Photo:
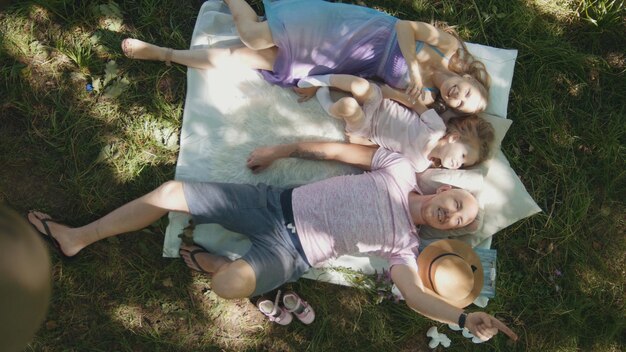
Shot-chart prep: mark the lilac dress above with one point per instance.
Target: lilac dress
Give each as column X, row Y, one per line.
column 319, row 37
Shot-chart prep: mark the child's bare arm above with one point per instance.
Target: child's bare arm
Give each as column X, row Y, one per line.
column 353, row 154
column 403, row 98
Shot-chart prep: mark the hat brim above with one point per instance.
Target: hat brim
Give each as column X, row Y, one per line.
column 461, row 249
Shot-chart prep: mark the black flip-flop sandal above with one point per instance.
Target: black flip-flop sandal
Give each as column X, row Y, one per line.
column 47, row 236
column 192, row 255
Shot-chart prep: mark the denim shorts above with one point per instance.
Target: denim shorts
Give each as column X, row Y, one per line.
column 255, row 211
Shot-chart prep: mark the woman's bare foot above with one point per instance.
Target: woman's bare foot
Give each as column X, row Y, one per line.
column 137, row 49
column 56, row 233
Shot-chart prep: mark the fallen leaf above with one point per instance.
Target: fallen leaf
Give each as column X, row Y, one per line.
column 110, row 72
column 116, row 88
column 51, row 325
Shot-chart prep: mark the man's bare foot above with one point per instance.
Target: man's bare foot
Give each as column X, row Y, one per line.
column 137, row 49
column 198, row 259
column 53, row 232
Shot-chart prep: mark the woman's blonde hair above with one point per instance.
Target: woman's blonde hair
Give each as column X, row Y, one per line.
column 463, row 63
column 474, row 128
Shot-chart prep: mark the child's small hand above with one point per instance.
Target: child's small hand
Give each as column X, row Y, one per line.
column 305, row 93
column 260, row 159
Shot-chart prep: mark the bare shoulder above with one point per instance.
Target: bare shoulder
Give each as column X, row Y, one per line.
column 432, row 35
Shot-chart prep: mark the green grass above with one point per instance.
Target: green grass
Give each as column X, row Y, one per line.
column 78, row 155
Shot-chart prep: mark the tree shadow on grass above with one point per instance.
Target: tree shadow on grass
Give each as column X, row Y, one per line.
column 117, row 294
column 571, row 171
column 51, row 141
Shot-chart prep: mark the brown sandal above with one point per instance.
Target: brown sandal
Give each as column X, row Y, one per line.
column 192, row 255
column 47, row 235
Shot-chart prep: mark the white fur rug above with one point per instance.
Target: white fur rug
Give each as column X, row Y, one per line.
column 228, row 113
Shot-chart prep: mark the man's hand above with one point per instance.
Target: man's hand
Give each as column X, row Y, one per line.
column 485, row 326
column 305, row 93
column 261, row 158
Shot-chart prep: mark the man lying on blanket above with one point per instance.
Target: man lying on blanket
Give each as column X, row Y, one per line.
column 374, row 212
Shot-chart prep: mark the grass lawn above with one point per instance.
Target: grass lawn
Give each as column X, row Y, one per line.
column 78, row 154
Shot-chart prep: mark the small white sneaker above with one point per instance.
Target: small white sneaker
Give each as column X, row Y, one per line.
column 274, row 312
column 299, row 307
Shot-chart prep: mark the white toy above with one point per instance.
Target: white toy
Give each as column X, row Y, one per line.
column 437, row 338
column 465, row 333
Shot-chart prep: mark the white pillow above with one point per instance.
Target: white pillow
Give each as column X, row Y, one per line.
column 501, row 195
column 431, row 179
column 500, row 127
column 504, row 199
column 500, row 64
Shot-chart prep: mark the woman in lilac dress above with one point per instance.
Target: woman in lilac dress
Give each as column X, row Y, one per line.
column 303, row 37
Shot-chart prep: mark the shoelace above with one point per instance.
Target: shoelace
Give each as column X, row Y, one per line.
column 274, row 312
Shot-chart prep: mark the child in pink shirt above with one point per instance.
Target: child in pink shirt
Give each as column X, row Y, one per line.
column 372, row 118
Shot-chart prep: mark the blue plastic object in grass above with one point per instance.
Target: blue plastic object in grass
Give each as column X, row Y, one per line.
column 488, row 259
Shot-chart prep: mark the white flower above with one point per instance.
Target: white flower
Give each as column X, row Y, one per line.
column 437, row 338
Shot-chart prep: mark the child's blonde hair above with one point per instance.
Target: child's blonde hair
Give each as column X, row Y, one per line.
column 474, row 128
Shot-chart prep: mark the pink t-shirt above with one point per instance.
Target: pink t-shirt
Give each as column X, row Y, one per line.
column 395, row 127
column 366, row 213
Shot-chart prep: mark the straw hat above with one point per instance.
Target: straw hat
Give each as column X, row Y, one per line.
column 452, row 270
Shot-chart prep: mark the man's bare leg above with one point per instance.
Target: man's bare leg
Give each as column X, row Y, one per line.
column 132, row 216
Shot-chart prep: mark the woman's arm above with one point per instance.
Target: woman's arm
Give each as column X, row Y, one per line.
column 424, row 301
column 427, row 33
column 408, row 32
column 352, row 154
